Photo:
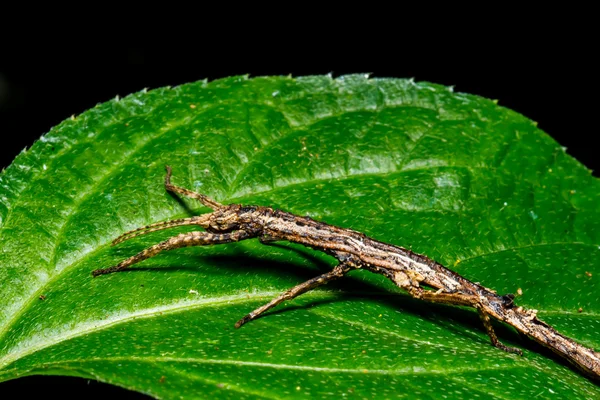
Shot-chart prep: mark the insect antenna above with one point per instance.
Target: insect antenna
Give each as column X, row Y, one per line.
column 159, row 226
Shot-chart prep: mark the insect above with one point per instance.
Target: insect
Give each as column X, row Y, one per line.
column 420, row 276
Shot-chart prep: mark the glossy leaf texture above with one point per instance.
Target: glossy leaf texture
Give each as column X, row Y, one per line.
column 454, row 176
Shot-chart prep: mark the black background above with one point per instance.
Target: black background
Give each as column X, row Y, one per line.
column 549, row 75
column 42, row 85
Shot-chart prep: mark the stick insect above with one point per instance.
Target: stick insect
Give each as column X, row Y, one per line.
column 420, row 276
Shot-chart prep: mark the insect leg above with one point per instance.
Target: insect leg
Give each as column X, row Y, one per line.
column 460, row 299
column 473, row 301
column 485, row 318
column 207, row 201
column 339, row 271
column 182, row 240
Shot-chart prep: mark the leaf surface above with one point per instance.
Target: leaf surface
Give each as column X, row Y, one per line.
column 454, row 176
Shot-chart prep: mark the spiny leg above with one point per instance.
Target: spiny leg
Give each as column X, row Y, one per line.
column 473, row 301
column 460, row 299
column 207, row 201
column 487, row 323
column 201, row 220
column 339, row 271
column 182, row 240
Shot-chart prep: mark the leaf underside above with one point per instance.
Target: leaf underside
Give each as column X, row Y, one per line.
column 473, row 185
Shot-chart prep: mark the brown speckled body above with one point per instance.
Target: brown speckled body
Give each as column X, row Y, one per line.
column 420, row 276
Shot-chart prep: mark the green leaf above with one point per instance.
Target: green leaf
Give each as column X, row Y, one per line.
column 453, row 176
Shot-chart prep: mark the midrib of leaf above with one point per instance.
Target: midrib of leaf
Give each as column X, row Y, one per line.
column 97, row 325
column 32, row 345
column 363, row 371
